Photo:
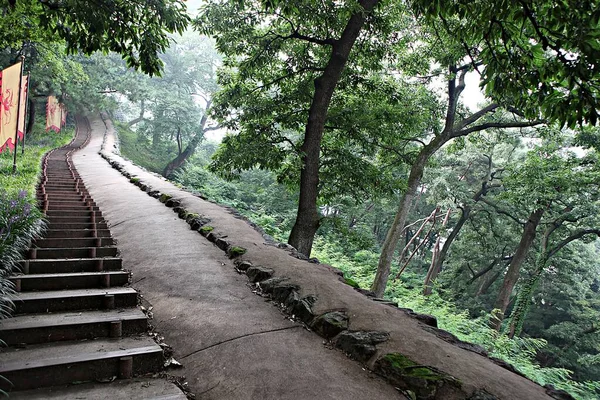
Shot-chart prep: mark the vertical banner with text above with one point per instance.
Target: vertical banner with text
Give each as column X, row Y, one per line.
column 53, row 118
column 23, row 101
column 9, row 105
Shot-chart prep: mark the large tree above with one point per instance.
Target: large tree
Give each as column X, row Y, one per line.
column 291, row 84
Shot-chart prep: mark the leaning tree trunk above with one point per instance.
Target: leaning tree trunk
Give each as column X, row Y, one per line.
column 512, row 275
column 189, row 149
column 393, row 236
column 307, row 219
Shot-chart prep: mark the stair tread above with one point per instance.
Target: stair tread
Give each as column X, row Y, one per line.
column 55, row 260
column 57, row 294
column 67, row 274
column 60, row 353
column 36, row 321
column 137, row 388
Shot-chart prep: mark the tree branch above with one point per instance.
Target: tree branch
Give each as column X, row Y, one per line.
column 515, row 124
column 577, row 235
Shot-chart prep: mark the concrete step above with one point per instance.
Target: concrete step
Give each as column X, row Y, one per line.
column 73, row 220
column 74, row 299
column 70, row 280
column 55, row 327
column 77, row 225
column 74, row 242
column 52, row 364
column 62, row 193
column 124, row 389
column 71, row 207
column 75, row 203
column 72, row 213
column 61, row 265
column 74, row 233
column 81, row 252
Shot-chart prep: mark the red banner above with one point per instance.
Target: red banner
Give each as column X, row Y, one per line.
column 9, row 105
column 53, row 118
column 23, row 106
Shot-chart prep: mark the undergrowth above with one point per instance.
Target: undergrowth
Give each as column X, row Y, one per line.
column 520, row 352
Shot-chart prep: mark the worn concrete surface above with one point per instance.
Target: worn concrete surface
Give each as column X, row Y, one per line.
column 232, row 343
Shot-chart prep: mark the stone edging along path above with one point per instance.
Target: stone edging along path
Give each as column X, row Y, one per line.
column 404, row 347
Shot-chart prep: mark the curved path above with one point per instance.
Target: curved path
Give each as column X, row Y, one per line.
column 232, row 343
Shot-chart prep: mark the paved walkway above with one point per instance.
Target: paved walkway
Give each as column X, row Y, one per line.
column 232, row 343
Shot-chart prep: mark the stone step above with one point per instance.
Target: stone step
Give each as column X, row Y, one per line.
column 44, row 328
column 75, row 233
column 72, row 213
column 123, row 389
column 81, row 252
column 52, row 364
column 71, row 207
column 74, row 220
column 74, row 299
column 61, row 265
column 62, row 193
column 77, row 225
column 70, row 280
column 74, row 242
column 76, row 203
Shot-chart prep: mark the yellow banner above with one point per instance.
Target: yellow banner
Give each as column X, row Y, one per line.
column 53, row 114
column 23, row 107
column 9, row 105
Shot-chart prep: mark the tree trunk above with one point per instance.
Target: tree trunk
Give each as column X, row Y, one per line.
column 189, row 149
column 307, row 219
column 512, row 275
column 436, row 264
column 140, row 118
column 486, row 283
column 393, row 236
column 31, row 119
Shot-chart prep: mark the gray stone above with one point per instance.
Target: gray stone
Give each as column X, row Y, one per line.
column 424, row 381
column 427, row 319
column 330, row 324
column 475, row 348
column 244, row 265
column 281, row 291
column 386, row 302
column 360, row 345
column 198, row 222
column 367, row 293
column 222, row 244
column 172, row 203
column 268, row 285
column 259, row 274
column 301, row 308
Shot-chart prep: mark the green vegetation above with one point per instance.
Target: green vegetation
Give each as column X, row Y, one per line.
column 350, row 133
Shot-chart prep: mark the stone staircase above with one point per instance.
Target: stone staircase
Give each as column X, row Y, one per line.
column 75, row 319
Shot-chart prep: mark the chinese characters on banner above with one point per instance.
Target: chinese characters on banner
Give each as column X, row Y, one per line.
column 23, row 106
column 10, row 78
column 53, row 114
